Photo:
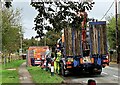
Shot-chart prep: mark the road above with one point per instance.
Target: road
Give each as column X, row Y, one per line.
column 108, row 76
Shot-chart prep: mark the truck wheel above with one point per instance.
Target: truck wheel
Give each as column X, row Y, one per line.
column 91, row 72
column 99, row 73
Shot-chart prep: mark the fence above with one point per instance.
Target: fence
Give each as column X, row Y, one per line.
column 6, row 58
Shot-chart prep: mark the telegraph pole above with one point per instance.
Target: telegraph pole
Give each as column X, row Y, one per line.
column 21, row 41
column 117, row 42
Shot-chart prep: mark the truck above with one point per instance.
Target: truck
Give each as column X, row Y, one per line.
column 36, row 55
column 84, row 49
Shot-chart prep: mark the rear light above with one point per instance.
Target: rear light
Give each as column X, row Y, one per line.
column 92, row 60
column 68, row 63
column 105, row 60
column 69, row 66
column 81, row 60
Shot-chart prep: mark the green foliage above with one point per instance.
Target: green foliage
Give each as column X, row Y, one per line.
column 29, row 42
column 112, row 32
column 13, row 64
column 10, row 30
column 44, row 77
column 8, row 4
column 52, row 37
column 59, row 14
column 119, row 30
column 10, row 77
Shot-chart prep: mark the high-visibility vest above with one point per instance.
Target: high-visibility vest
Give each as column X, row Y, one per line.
column 58, row 56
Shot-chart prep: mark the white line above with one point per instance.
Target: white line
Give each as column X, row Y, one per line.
column 105, row 73
column 115, row 76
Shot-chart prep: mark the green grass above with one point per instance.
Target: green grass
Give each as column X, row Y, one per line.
column 41, row 76
column 13, row 64
column 11, row 76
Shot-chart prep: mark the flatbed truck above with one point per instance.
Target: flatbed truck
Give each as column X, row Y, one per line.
column 84, row 50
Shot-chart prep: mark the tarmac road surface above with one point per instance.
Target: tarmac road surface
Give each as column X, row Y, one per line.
column 108, row 76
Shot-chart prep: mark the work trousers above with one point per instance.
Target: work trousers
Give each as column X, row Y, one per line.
column 57, row 67
column 48, row 60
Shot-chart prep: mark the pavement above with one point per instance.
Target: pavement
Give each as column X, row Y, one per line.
column 24, row 75
column 109, row 75
column 114, row 64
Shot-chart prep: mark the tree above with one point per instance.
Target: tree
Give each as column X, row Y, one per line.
column 62, row 15
column 10, row 30
column 59, row 14
column 51, row 37
column 8, row 4
column 29, row 42
column 112, row 34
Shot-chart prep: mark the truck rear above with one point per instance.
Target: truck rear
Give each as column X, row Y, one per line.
column 84, row 50
column 36, row 55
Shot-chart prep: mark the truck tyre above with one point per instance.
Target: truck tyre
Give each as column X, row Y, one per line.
column 92, row 72
column 99, row 73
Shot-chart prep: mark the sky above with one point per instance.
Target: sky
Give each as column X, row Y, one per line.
column 28, row 13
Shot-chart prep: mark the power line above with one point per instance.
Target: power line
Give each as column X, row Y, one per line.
column 108, row 10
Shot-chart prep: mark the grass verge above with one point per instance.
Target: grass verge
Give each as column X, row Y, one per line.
column 13, row 64
column 41, row 76
column 11, row 76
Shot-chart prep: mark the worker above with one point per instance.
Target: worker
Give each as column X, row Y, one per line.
column 48, row 57
column 57, row 62
column 52, row 61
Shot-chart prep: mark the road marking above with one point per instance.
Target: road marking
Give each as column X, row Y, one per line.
column 115, row 76
column 105, row 73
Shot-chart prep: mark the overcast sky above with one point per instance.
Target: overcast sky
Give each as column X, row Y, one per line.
column 29, row 13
